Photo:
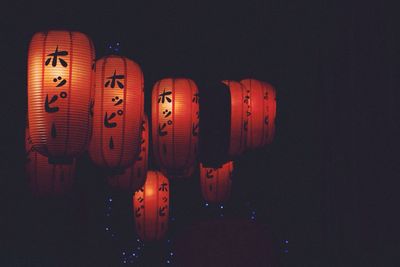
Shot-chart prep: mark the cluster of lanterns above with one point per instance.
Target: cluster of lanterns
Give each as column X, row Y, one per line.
column 78, row 104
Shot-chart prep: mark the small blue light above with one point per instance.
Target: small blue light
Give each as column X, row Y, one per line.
column 124, row 261
column 110, row 199
column 138, row 240
column 253, row 218
column 138, row 248
column 123, row 253
column 168, row 262
column 221, row 207
column 109, row 46
column 117, row 43
column 133, row 254
column 206, row 204
column 286, row 241
column 172, row 254
column 107, row 229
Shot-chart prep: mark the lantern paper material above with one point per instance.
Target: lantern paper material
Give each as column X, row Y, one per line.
column 59, row 93
column 46, row 179
column 117, row 112
column 134, row 176
column 151, row 207
column 216, row 182
column 175, row 125
column 262, row 112
column 239, row 119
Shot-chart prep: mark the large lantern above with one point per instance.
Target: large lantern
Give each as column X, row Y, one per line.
column 151, row 207
column 46, row 179
column 175, row 125
column 117, row 112
column 133, row 177
column 216, row 182
column 239, row 119
column 262, row 112
column 59, row 93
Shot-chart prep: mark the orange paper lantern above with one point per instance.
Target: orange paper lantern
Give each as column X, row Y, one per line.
column 216, row 182
column 261, row 114
column 175, row 124
column 59, row 90
column 151, row 207
column 117, row 112
column 46, row 179
column 134, row 176
column 239, row 119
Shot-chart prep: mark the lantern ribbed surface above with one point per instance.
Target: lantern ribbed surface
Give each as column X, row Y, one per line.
column 262, row 112
column 117, row 112
column 134, row 176
column 239, row 120
column 151, row 207
column 46, row 179
column 216, row 182
column 59, row 90
column 175, row 125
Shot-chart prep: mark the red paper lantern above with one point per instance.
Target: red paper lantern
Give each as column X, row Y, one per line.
column 175, row 124
column 46, row 179
column 59, row 90
column 151, row 207
column 239, row 119
column 216, row 182
column 134, row 176
column 262, row 112
column 117, row 112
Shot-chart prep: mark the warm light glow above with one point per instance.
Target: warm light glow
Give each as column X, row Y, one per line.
column 46, row 179
column 117, row 113
column 151, row 207
column 134, row 176
column 216, row 183
column 175, row 124
column 239, row 119
column 59, row 93
column 262, row 112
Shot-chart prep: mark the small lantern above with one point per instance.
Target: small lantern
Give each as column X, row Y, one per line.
column 46, row 179
column 134, row 176
column 175, row 125
column 151, row 207
column 59, row 93
column 216, row 182
column 117, row 112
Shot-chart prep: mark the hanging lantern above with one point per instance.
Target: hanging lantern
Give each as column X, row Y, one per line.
column 134, row 176
column 175, row 125
column 59, row 90
column 46, row 179
column 151, row 207
column 261, row 114
column 117, row 113
column 239, row 119
column 216, row 182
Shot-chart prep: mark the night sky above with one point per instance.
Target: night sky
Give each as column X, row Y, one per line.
column 328, row 184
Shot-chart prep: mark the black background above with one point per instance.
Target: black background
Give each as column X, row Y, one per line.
column 328, row 183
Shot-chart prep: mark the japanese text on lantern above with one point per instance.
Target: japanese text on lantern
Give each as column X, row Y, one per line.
column 56, row 60
column 114, row 82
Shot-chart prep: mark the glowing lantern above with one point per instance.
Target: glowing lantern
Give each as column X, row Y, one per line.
column 175, row 125
column 216, row 182
column 59, row 93
column 262, row 112
column 134, row 176
column 239, row 119
column 117, row 112
column 46, row 179
column 151, row 207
